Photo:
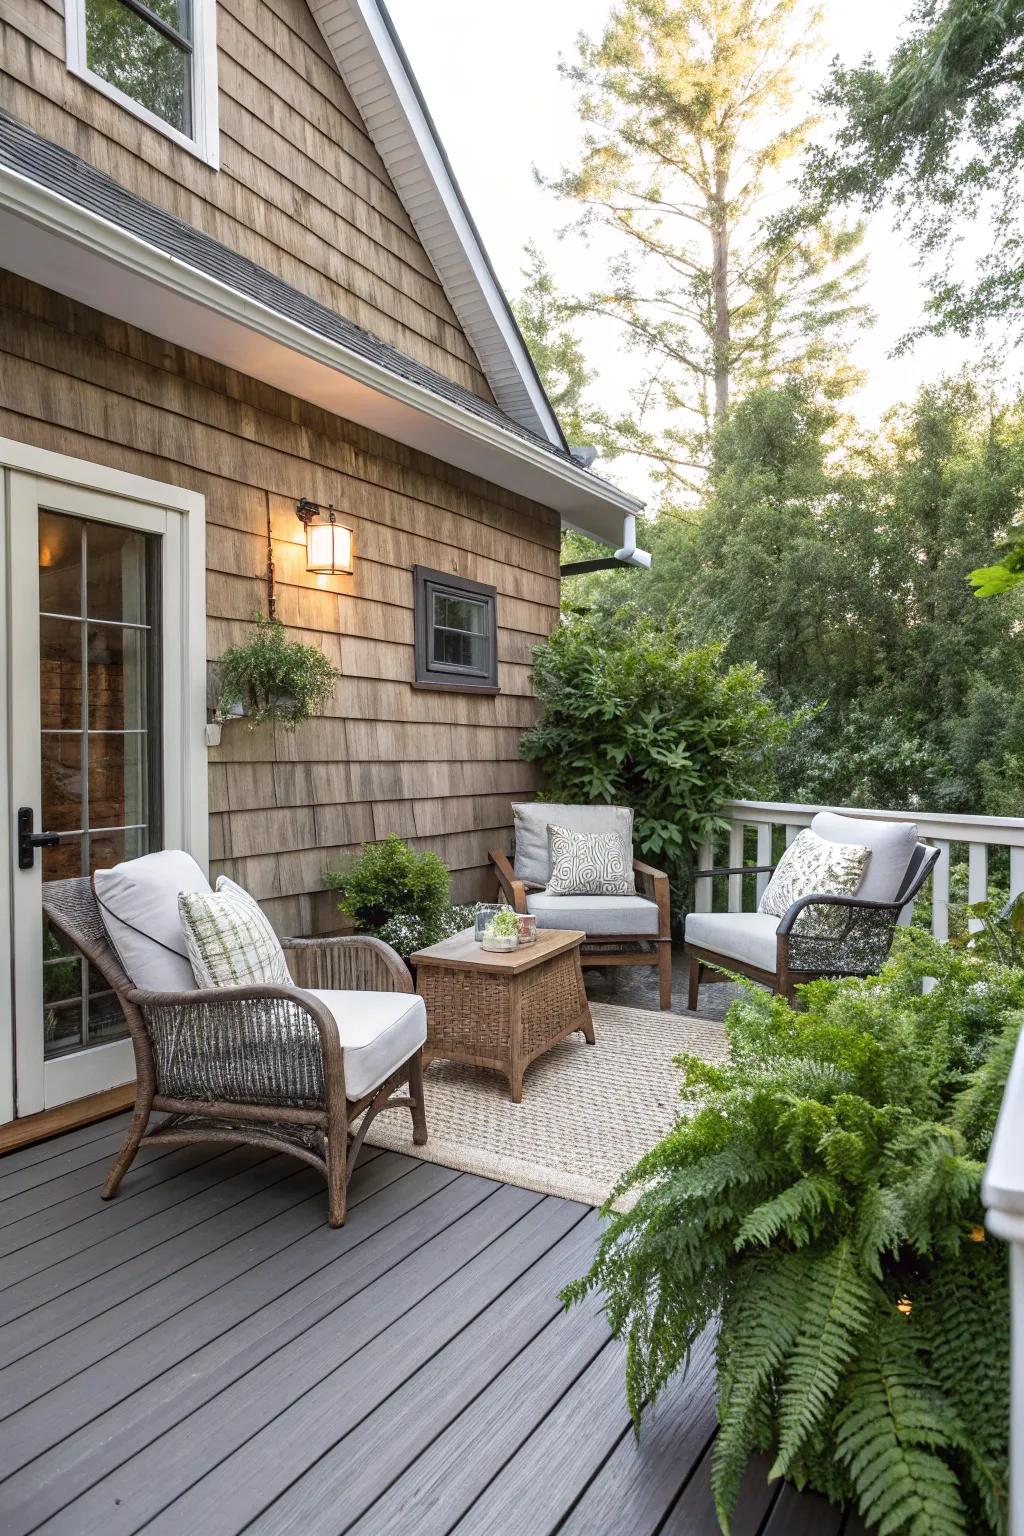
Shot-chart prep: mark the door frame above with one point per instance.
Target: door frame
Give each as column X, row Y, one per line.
column 185, row 752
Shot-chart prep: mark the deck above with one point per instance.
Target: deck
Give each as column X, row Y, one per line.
column 204, row 1355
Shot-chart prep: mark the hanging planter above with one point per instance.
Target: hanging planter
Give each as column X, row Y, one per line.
column 272, row 678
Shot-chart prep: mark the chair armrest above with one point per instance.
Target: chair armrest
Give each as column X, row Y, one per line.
column 855, row 903
column 347, row 963
column 660, row 890
column 513, row 890
column 739, row 869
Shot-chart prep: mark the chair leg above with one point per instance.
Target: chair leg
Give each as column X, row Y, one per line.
column 130, row 1145
column 665, row 976
column 337, row 1181
column 696, row 976
column 417, row 1104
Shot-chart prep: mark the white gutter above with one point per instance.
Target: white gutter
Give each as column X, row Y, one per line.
column 56, row 242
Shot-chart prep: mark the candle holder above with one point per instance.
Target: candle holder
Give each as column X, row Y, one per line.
column 527, row 924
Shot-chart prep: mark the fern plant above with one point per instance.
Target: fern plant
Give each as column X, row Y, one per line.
column 822, row 1208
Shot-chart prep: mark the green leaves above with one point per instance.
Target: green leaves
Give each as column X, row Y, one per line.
column 274, row 678
column 631, row 716
column 826, row 1182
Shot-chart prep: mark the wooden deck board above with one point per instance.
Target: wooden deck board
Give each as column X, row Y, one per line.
column 205, row 1354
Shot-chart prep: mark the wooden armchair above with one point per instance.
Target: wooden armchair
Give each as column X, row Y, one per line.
column 263, row 1065
column 651, row 948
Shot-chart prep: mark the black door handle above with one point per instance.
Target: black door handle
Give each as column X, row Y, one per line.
column 29, row 841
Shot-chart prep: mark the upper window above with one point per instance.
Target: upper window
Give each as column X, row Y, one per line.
column 157, row 58
column 456, row 632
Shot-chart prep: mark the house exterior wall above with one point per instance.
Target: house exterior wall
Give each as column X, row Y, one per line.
column 438, row 768
column 301, row 189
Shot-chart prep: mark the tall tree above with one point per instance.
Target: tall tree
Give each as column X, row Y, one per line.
column 690, row 115
column 937, row 135
column 555, row 347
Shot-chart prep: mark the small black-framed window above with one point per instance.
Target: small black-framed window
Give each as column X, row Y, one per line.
column 456, row 632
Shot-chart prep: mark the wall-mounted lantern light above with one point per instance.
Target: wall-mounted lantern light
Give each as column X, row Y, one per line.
column 330, row 545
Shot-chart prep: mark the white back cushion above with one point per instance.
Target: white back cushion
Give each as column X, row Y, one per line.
column 891, row 842
column 138, row 903
column 533, row 817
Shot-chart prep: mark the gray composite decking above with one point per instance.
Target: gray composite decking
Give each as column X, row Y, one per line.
column 205, row 1355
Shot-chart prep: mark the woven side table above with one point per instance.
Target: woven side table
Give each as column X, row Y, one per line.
column 502, row 1010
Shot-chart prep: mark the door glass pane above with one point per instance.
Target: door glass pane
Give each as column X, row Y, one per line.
column 60, row 563
column 125, row 49
column 63, row 801
column 99, row 689
column 60, row 674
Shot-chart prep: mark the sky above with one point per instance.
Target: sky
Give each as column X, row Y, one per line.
column 490, row 77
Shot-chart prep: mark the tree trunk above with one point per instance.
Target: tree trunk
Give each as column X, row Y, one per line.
column 720, row 289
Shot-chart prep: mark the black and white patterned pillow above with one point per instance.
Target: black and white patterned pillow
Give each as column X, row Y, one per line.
column 589, row 864
column 814, row 866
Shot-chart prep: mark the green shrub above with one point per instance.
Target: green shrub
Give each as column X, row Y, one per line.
column 387, row 880
column 274, row 678
column 633, row 718
column 824, row 1203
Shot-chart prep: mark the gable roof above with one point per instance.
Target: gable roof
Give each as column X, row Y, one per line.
column 377, row 73
column 69, row 227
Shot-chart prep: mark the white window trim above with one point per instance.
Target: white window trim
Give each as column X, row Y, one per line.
column 205, row 140
column 186, row 785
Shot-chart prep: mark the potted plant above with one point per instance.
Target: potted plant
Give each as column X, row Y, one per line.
column 502, row 932
column 273, row 678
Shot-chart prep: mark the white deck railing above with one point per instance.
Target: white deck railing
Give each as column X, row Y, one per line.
column 1003, row 1188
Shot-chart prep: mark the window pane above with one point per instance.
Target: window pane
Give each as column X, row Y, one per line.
column 109, row 848
column 115, row 563
column 132, row 54
column 60, row 563
column 60, row 674
column 117, row 780
column 117, row 678
column 176, row 13
column 460, row 613
column 65, row 861
column 62, row 809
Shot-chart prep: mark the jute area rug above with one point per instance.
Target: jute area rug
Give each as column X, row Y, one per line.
column 588, row 1112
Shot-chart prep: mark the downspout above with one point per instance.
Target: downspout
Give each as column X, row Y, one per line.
column 629, row 554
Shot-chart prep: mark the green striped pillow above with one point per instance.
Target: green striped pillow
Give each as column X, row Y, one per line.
column 229, row 941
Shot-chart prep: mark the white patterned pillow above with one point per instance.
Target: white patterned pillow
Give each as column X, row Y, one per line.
column 229, row 941
column 589, row 864
column 814, row 866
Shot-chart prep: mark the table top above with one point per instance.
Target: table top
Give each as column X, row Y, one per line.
column 462, row 953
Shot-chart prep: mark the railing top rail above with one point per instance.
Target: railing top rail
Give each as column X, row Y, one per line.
column 955, row 828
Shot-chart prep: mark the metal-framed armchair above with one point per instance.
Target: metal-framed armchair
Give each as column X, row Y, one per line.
column 263, row 1065
column 780, row 952
column 621, row 930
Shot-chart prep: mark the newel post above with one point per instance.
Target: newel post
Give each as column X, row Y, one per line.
column 1003, row 1194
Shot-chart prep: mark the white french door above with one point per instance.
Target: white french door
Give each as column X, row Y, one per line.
column 100, row 693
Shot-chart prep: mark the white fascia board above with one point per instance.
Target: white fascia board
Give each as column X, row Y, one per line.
column 60, row 245
column 377, row 76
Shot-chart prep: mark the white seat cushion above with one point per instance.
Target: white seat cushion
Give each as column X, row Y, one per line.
column 138, row 902
column 746, row 936
column 892, row 844
column 597, row 915
column 378, row 1032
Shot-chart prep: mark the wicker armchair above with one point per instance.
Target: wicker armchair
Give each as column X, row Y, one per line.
column 781, row 953
column 261, row 1065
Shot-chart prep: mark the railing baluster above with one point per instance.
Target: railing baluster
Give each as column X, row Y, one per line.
column 764, row 853
column 735, row 859
column 791, row 832
column 977, row 879
column 940, row 894
column 703, row 895
column 1016, row 871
